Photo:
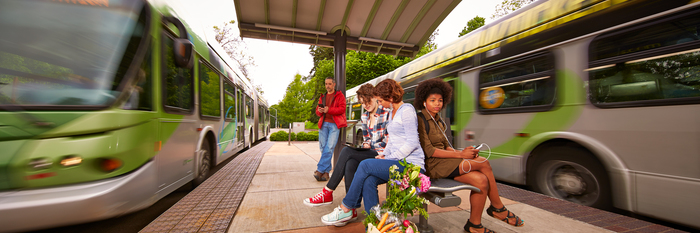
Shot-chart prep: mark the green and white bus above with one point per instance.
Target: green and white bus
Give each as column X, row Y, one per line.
column 107, row 106
column 594, row 102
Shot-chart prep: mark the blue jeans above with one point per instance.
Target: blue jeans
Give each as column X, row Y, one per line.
column 370, row 174
column 327, row 138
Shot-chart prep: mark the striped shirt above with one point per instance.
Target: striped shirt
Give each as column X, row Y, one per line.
column 376, row 136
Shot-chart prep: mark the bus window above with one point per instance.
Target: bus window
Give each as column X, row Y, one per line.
column 524, row 85
column 356, row 111
column 651, row 65
column 229, row 102
column 209, row 92
column 141, row 97
column 249, row 107
column 178, row 81
column 409, row 96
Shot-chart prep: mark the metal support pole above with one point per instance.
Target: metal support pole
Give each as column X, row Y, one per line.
column 289, row 142
column 339, row 51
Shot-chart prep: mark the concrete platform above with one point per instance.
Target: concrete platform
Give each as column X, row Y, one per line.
column 282, row 178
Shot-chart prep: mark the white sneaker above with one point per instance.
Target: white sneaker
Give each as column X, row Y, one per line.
column 338, row 217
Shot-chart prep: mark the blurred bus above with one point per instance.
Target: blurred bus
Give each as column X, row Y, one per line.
column 107, row 106
column 594, row 102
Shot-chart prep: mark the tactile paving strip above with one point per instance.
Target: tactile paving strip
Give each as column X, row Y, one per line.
column 211, row 206
column 593, row 216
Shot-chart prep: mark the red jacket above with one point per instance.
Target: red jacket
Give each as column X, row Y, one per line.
column 336, row 109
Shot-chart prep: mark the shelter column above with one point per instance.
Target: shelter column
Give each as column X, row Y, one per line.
column 339, row 51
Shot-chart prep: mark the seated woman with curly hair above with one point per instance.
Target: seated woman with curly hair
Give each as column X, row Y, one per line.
column 443, row 161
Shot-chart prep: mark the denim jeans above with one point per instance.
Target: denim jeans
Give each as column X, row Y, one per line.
column 327, row 138
column 348, row 161
column 370, row 174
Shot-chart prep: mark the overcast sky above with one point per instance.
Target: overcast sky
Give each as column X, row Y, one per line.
column 278, row 62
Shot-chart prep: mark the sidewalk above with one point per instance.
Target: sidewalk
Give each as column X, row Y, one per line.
column 273, row 202
column 261, row 190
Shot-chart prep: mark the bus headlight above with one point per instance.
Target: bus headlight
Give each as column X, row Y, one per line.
column 110, row 165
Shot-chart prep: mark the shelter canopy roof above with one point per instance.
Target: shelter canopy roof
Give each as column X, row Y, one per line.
column 395, row 27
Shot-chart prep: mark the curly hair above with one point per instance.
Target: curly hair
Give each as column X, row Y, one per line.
column 389, row 89
column 366, row 92
column 433, row 86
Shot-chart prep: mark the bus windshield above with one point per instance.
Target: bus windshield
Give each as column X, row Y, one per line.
column 57, row 53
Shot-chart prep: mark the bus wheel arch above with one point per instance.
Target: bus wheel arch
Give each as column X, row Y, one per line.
column 566, row 170
column 205, row 159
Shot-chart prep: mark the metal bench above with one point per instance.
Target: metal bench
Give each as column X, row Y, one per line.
column 440, row 194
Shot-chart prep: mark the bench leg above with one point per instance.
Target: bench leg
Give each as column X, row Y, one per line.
column 423, row 225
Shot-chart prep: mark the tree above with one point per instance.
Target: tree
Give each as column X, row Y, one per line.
column 234, row 46
column 472, row 25
column 508, row 6
column 295, row 103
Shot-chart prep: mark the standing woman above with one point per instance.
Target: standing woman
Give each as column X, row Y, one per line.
column 443, row 161
column 403, row 144
column 374, row 121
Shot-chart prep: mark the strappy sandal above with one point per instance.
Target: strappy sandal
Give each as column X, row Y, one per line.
column 518, row 222
column 471, row 225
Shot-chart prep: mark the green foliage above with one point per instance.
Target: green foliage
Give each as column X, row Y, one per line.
column 295, row 105
column 210, row 94
column 403, row 190
column 279, row 136
column 508, row 6
column 310, row 125
column 282, row 136
column 472, row 25
column 304, row 136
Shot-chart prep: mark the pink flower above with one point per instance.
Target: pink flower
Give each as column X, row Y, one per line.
column 404, row 183
column 424, row 183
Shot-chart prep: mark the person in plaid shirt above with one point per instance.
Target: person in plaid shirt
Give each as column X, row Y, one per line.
column 374, row 121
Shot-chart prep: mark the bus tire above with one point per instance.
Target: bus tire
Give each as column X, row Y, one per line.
column 571, row 173
column 204, row 168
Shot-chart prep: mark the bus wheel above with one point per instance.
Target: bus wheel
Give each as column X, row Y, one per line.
column 572, row 174
column 204, row 164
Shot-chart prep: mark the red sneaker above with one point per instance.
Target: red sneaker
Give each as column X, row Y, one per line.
column 354, row 215
column 325, row 197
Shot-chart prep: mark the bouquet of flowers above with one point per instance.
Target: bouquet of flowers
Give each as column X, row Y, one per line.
column 403, row 199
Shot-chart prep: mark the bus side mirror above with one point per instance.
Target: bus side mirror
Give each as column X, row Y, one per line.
column 184, row 57
column 183, row 47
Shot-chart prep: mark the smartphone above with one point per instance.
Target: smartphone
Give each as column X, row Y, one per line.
column 478, row 147
column 321, row 105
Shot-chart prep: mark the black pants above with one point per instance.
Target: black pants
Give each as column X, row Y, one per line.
column 348, row 161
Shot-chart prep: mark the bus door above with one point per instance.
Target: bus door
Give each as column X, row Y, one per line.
column 229, row 131
column 178, row 131
column 240, row 105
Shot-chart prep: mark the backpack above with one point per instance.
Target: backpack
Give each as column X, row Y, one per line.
column 427, row 126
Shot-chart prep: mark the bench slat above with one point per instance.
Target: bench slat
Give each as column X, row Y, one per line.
column 449, row 185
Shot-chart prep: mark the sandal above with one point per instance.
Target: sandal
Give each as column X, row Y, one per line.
column 518, row 222
column 471, row 225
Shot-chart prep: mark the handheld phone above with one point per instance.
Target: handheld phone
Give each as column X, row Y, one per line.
column 321, row 105
column 477, row 147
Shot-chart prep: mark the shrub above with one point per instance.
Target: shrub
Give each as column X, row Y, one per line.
column 310, row 136
column 279, row 136
column 313, row 135
column 294, row 136
column 301, row 136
